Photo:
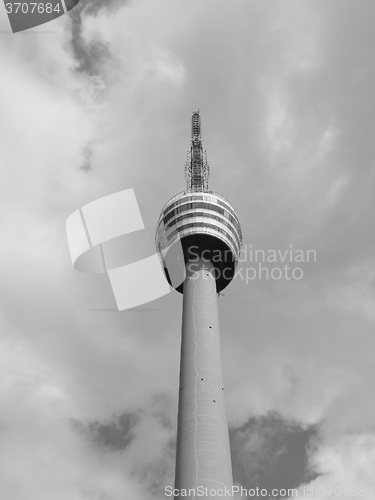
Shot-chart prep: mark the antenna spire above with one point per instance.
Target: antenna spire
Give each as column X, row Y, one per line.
column 196, row 169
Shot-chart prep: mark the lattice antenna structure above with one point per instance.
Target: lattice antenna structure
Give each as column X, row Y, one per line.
column 196, row 168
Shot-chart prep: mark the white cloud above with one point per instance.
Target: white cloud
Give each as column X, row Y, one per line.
column 347, row 467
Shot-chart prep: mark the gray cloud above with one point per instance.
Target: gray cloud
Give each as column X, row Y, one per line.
column 269, row 452
column 90, row 55
column 115, row 435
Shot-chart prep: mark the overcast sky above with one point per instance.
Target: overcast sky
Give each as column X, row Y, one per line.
column 99, row 101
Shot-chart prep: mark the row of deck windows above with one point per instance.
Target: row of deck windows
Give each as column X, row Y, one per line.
column 231, row 225
column 207, row 206
column 206, row 224
column 206, row 198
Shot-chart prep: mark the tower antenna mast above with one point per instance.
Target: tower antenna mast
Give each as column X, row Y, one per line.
column 196, row 168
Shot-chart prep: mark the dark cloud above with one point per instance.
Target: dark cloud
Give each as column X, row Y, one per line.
column 114, row 435
column 90, row 55
column 270, row 452
column 87, row 155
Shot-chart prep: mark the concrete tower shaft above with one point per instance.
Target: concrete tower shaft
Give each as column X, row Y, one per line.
column 203, row 452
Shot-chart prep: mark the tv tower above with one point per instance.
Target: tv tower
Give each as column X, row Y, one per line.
column 210, row 234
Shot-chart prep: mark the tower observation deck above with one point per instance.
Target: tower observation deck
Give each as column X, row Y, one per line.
column 207, row 226
column 204, row 221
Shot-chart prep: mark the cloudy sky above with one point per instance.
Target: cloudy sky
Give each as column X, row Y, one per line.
column 100, row 100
